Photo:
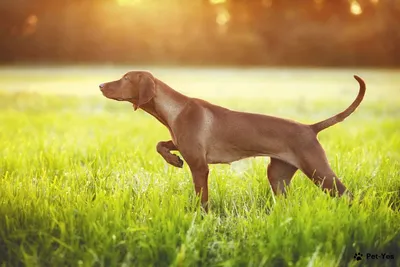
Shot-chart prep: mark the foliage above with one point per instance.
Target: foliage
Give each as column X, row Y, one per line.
column 237, row 32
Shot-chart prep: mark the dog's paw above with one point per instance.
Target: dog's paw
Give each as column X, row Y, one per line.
column 180, row 162
column 176, row 161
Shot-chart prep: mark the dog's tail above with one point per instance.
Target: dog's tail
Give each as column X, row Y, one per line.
column 319, row 126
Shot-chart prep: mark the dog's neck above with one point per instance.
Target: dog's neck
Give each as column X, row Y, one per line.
column 166, row 105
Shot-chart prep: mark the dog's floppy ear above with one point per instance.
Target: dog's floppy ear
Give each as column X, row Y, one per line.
column 147, row 90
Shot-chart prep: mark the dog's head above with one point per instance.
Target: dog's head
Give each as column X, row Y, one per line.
column 137, row 87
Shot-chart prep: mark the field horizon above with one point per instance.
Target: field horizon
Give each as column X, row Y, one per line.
column 81, row 183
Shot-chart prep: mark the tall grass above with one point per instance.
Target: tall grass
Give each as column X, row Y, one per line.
column 81, row 183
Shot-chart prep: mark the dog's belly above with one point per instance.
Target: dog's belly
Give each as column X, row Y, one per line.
column 228, row 153
column 217, row 155
column 221, row 157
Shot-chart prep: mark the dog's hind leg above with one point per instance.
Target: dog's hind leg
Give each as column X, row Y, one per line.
column 280, row 174
column 315, row 165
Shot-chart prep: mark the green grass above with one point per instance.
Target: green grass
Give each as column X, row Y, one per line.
column 81, row 183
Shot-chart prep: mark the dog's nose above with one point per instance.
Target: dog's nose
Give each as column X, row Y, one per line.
column 101, row 86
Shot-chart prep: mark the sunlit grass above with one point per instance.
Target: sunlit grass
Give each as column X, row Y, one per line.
column 82, row 184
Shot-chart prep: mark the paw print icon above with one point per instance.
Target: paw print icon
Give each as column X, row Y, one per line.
column 358, row 256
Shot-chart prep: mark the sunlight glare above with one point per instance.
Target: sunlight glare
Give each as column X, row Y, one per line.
column 216, row 2
column 355, row 8
column 128, row 2
column 223, row 17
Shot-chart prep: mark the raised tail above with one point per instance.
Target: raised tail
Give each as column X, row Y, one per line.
column 319, row 126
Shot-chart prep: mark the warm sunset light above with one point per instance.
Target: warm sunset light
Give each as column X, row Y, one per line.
column 32, row 20
column 30, row 25
column 267, row 3
column 186, row 132
column 197, row 31
column 223, row 17
column 355, row 8
column 319, row 3
column 215, row 2
column 128, row 2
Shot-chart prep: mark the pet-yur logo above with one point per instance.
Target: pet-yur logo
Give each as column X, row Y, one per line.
column 373, row 256
column 358, row 256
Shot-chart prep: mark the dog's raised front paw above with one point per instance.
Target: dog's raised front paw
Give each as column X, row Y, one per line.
column 176, row 161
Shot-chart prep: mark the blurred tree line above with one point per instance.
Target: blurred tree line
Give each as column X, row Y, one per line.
column 228, row 32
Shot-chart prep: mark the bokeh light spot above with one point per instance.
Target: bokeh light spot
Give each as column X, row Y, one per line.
column 355, row 8
column 223, row 17
column 215, row 2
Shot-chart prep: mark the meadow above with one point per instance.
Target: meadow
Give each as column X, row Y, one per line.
column 81, row 183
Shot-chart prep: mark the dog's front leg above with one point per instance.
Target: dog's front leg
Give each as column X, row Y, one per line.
column 199, row 169
column 164, row 148
column 200, row 180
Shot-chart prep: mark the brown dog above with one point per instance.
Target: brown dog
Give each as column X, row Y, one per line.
column 207, row 134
